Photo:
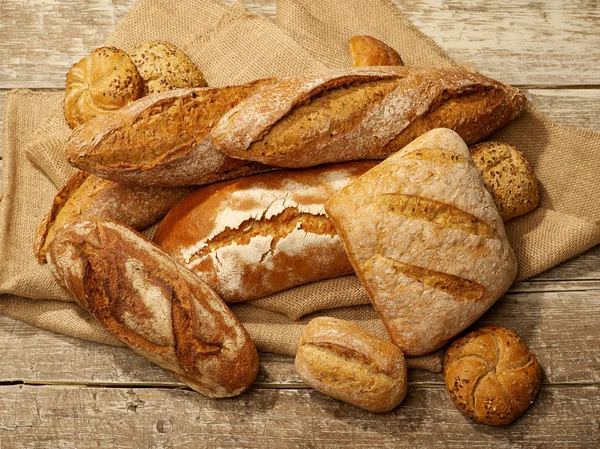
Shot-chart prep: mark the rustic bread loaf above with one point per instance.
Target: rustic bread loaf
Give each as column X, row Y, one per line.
column 258, row 235
column 86, row 196
column 426, row 240
column 163, row 66
column 179, row 138
column 341, row 360
column 491, row 375
column 161, row 140
column 368, row 51
column 508, row 177
column 102, row 82
column 157, row 307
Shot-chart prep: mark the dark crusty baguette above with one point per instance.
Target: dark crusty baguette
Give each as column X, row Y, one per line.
column 254, row 236
column 181, row 137
column 426, row 240
column 86, row 196
column 157, row 307
column 341, row 360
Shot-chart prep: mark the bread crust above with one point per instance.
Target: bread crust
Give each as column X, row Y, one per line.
column 491, row 375
column 341, row 360
column 425, row 239
column 154, row 305
column 262, row 234
column 368, row 51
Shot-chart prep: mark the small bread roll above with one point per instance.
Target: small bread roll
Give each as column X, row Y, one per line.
column 491, row 375
column 103, row 81
column 341, row 360
column 368, row 51
column 164, row 67
column 508, row 177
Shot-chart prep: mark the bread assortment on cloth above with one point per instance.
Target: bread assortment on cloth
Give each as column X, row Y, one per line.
column 261, row 234
column 491, row 375
column 426, row 241
column 153, row 304
column 341, row 360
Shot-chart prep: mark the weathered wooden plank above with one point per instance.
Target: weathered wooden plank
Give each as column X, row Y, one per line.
column 547, row 42
column 561, row 328
column 32, row 417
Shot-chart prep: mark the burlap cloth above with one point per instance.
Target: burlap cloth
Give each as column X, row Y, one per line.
column 233, row 46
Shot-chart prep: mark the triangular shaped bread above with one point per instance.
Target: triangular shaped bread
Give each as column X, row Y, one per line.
column 426, row 241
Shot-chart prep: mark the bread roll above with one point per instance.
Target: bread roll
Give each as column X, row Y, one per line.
column 491, row 375
column 341, row 360
column 508, row 177
column 102, row 82
column 258, row 235
column 426, row 241
column 163, row 66
column 154, row 305
column 368, row 51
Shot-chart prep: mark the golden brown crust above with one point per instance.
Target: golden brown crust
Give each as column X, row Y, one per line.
column 368, row 51
column 163, row 66
column 86, row 196
column 491, row 375
column 102, row 82
column 508, row 177
column 426, row 241
column 154, row 305
column 341, row 360
column 262, row 234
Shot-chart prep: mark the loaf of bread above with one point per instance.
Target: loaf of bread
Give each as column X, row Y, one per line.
column 102, row 82
column 162, row 66
column 258, row 235
column 86, row 196
column 508, row 177
column 154, row 305
column 162, row 140
column 491, row 375
column 363, row 113
column 368, row 51
column 426, row 240
column 341, row 360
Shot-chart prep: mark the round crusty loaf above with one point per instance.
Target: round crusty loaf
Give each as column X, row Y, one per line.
column 164, row 67
column 508, row 177
column 491, row 375
column 100, row 83
column 340, row 359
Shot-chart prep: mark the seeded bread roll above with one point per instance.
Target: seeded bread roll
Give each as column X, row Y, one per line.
column 102, row 82
column 508, row 177
column 154, row 305
column 163, row 66
column 262, row 234
column 368, row 51
column 426, row 241
column 341, row 360
column 491, row 375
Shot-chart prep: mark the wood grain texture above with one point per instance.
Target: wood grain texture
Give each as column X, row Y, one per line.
column 159, row 418
column 547, row 42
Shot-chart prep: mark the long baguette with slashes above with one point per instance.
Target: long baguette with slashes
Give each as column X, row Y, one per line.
column 181, row 137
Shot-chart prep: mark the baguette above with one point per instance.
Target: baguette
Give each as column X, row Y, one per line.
column 426, row 240
column 368, row 51
column 302, row 121
column 154, row 305
column 255, row 236
column 86, row 196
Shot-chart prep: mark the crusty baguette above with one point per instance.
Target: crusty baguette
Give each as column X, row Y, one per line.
column 340, row 359
column 86, row 196
column 426, row 241
column 157, row 307
column 162, row 139
column 368, row 51
column 180, row 137
column 258, row 235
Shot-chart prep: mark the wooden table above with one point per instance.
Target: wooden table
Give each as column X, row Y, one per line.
column 59, row 392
